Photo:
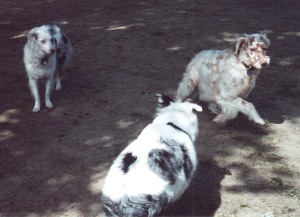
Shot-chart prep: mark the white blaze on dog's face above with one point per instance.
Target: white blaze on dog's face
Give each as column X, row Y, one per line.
column 43, row 38
column 252, row 49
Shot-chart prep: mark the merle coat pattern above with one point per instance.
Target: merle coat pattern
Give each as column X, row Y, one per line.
column 155, row 169
column 64, row 51
column 226, row 77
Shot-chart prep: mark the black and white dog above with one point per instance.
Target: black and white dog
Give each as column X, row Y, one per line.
column 46, row 50
column 156, row 168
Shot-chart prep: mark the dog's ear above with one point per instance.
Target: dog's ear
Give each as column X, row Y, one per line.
column 240, row 42
column 32, row 35
column 55, row 28
column 56, row 24
column 164, row 100
column 264, row 38
column 263, row 34
column 197, row 108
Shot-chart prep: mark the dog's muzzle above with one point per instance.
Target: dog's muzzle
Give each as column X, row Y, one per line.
column 52, row 51
column 266, row 62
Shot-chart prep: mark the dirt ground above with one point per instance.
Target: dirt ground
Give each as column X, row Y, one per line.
column 53, row 163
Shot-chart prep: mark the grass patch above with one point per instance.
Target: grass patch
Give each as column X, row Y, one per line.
column 277, row 180
column 294, row 193
column 261, row 151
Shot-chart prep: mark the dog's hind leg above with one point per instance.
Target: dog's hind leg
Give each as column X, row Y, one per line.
column 49, row 84
column 231, row 107
column 187, row 85
column 215, row 108
column 58, row 78
column 227, row 113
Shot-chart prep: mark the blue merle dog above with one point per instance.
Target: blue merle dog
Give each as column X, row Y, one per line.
column 64, row 51
column 155, row 169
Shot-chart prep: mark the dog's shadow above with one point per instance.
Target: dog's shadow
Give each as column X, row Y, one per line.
column 202, row 198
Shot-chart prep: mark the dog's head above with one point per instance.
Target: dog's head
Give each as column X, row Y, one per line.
column 251, row 50
column 54, row 28
column 167, row 103
column 182, row 113
column 44, row 41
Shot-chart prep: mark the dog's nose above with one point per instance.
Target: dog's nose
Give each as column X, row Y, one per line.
column 264, row 64
column 52, row 51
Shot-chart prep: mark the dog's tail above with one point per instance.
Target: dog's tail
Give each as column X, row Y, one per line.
column 188, row 84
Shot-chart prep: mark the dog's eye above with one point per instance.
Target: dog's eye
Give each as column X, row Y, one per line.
column 43, row 41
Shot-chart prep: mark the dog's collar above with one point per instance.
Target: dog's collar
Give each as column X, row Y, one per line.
column 249, row 73
column 44, row 60
column 178, row 128
column 250, row 69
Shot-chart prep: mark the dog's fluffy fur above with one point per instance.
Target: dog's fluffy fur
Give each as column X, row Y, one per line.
column 225, row 77
column 46, row 50
column 156, row 168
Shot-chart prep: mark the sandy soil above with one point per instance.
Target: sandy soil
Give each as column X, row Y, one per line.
column 53, row 163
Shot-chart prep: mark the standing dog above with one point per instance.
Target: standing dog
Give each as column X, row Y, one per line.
column 63, row 52
column 45, row 51
column 225, row 77
column 40, row 62
column 155, row 169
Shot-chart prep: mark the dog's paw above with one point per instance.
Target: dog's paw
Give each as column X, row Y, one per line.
column 260, row 121
column 267, row 124
column 36, row 108
column 58, row 86
column 49, row 104
column 220, row 119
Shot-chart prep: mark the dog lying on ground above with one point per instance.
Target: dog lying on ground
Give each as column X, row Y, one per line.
column 226, row 77
column 155, row 169
column 46, row 50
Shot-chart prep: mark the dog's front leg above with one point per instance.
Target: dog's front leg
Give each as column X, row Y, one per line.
column 49, row 85
column 248, row 109
column 33, row 85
